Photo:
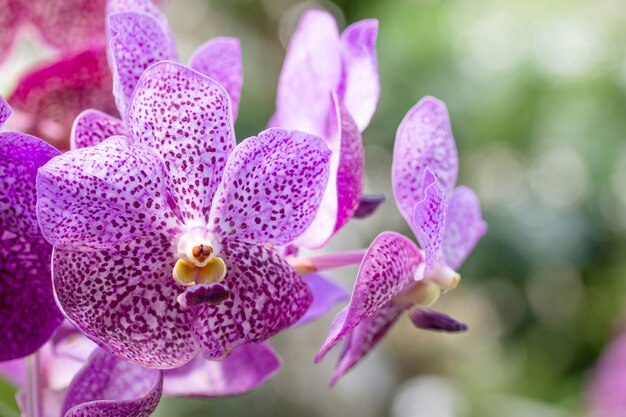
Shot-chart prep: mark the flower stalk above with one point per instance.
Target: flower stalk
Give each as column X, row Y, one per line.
column 33, row 402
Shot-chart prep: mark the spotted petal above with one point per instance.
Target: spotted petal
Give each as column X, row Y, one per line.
column 69, row 24
column 138, row 40
column 5, row 111
column 272, row 187
column 20, row 157
column 110, row 387
column 92, row 127
column 220, row 58
column 125, row 299
column 360, row 84
column 342, row 195
column 267, row 296
column 247, row 368
column 186, row 118
column 464, row 226
column 94, row 198
column 389, row 265
column 424, row 140
column 48, row 99
column 429, row 219
column 310, row 73
column 326, row 295
column 364, row 337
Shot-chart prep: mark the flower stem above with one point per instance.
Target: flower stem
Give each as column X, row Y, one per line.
column 337, row 260
column 33, row 403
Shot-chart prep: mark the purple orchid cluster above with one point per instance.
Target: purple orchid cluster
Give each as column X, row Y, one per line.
column 157, row 256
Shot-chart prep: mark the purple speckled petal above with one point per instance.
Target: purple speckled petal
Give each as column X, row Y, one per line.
column 138, row 40
column 360, row 83
column 368, row 205
column 464, row 226
column 185, row 116
column 248, row 367
column 110, row 387
column 342, row 195
column 429, row 219
column 69, row 25
column 364, row 337
column 147, row 7
column 48, row 98
column 10, row 19
column 5, row 111
column 29, row 314
column 427, row 319
column 125, row 299
column 272, row 187
column 20, row 157
column 220, row 59
column 267, row 296
column 310, row 73
column 326, row 295
column 387, row 268
column 92, row 127
column 103, row 195
column 424, row 140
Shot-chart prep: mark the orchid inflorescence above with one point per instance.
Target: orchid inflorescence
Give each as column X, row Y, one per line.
column 157, row 256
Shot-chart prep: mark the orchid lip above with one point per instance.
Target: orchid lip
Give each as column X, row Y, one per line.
column 444, row 276
column 197, row 260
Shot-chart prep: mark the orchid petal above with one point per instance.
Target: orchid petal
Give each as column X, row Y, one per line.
column 326, row 295
column 364, row 337
column 424, row 140
column 125, row 299
column 147, row 7
column 266, row 296
column 92, row 127
column 388, row 267
column 607, row 383
column 368, row 205
column 360, row 83
column 342, row 195
column 272, row 187
column 248, row 367
column 10, row 19
column 97, row 197
column 464, row 226
column 427, row 319
column 429, row 219
column 50, row 97
column 220, row 58
column 5, row 111
column 14, row 371
column 186, row 118
column 311, row 71
column 138, row 40
column 20, row 157
column 110, row 387
column 69, row 24
column 29, row 313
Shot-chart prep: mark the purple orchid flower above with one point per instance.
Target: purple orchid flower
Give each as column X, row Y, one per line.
column 69, row 25
column 28, row 310
column 605, row 391
column 48, row 99
column 163, row 239
column 62, row 358
column 395, row 275
column 329, row 86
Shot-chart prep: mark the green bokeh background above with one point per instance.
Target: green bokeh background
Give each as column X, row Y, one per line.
column 536, row 91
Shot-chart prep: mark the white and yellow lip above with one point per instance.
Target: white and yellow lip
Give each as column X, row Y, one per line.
column 198, row 262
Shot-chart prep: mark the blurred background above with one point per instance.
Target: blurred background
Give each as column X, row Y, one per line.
column 537, row 96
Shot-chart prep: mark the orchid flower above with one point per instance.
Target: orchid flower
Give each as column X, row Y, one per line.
column 329, row 86
column 48, row 99
column 163, row 239
column 69, row 25
column 63, row 357
column 395, row 275
column 605, row 391
column 29, row 313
